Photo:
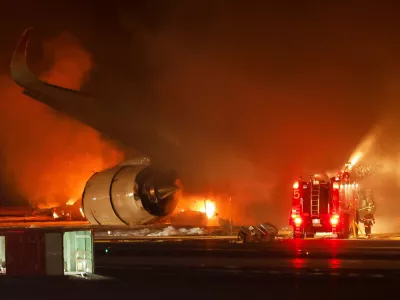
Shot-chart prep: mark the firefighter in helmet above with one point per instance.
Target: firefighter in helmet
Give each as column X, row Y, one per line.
column 368, row 220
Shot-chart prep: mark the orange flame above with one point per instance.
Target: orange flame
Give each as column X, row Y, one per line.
column 50, row 156
column 206, row 206
column 71, row 201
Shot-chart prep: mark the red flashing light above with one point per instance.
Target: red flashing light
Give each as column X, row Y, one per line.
column 297, row 221
column 294, row 213
column 296, row 185
column 335, row 185
column 335, row 220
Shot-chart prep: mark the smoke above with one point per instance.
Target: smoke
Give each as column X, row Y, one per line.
column 246, row 195
column 378, row 162
column 49, row 156
column 378, row 169
column 257, row 95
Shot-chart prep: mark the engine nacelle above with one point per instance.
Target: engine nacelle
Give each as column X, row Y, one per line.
column 131, row 193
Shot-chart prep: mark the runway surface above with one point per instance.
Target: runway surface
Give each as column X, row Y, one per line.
column 210, row 267
column 282, row 256
column 331, row 269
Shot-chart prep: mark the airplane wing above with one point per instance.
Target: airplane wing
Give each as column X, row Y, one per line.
column 130, row 131
column 73, row 103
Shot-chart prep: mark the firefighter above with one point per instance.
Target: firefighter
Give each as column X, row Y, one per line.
column 368, row 221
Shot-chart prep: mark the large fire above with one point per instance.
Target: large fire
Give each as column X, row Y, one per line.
column 69, row 212
column 206, row 206
column 50, row 156
column 199, row 204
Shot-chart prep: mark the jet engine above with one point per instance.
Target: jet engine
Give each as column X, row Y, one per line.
column 131, row 193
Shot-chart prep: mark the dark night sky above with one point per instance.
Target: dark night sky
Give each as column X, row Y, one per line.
column 263, row 92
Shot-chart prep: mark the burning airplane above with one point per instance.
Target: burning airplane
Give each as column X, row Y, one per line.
column 133, row 192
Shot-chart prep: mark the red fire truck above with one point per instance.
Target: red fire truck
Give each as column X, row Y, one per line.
column 324, row 206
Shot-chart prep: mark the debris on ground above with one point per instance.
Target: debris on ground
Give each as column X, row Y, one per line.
column 264, row 232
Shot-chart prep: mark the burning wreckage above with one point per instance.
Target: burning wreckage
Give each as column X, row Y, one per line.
column 134, row 192
column 131, row 193
column 67, row 212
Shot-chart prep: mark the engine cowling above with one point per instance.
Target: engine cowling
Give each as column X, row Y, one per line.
column 131, row 193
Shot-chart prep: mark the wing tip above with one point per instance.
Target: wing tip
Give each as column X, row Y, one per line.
column 18, row 67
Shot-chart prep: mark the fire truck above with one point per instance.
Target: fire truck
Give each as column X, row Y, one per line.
column 324, row 206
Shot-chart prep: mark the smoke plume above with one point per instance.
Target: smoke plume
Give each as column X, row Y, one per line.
column 49, row 156
column 378, row 170
column 259, row 95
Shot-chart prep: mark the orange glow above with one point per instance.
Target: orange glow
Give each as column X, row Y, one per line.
column 199, row 204
column 296, row 185
column 81, row 211
column 55, row 215
column 206, row 206
column 49, row 155
column 336, row 185
column 71, row 201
